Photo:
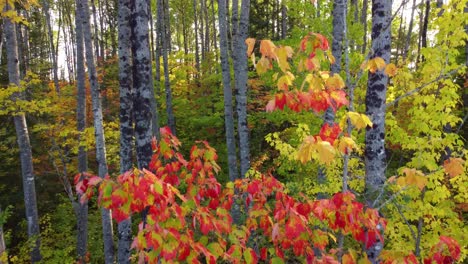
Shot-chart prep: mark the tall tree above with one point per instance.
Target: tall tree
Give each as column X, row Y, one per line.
column 227, row 90
column 22, row 134
column 126, row 115
column 239, row 57
column 81, row 209
column 165, row 41
column 364, row 23
column 410, row 32
column 45, row 5
column 98, row 126
column 375, row 159
column 197, row 53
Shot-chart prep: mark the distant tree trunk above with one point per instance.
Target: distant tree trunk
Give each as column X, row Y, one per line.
column 284, row 21
column 207, row 27
column 228, row 110
column 410, row 31
column 167, row 23
column 165, row 49
column 364, row 23
column 427, row 12
column 375, row 159
column 240, row 73
column 22, row 134
column 2, row 239
column 98, row 127
column 197, row 52
column 440, row 4
column 81, row 210
column 339, row 14
column 158, row 49
column 202, row 31
column 45, row 5
column 125, row 8
column 96, row 32
column 401, row 29
column 102, row 43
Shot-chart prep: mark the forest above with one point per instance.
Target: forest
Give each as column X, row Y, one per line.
column 233, row 131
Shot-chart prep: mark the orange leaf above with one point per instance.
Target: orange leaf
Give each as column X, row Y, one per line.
column 453, row 166
column 413, row 177
column 267, row 49
column 250, row 42
column 376, row 64
column 391, row 70
column 335, row 82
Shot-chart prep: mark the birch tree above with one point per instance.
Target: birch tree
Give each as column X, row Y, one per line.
column 22, row 135
column 375, row 159
column 98, row 126
column 126, row 115
column 81, row 209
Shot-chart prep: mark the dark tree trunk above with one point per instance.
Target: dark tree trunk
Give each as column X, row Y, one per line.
column 228, row 110
column 81, row 210
column 240, row 73
column 165, row 49
column 98, row 127
column 197, row 52
column 364, row 23
column 22, row 134
column 125, row 116
column 96, row 32
column 375, row 159
column 284, row 21
column 410, row 31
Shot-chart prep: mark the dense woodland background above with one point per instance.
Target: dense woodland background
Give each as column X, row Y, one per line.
column 94, row 81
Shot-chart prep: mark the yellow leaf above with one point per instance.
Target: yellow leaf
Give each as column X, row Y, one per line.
column 263, row 65
column 376, row 64
column 330, row 56
column 391, row 70
column 326, row 153
column 284, row 82
column 250, row 42
column 307, row 149
column 315, row 82
column 413, row 177
column 335, row 82
column 283, row 54
column 346, row 145
column 267, row 49
column 359, row 120
column 453, row 166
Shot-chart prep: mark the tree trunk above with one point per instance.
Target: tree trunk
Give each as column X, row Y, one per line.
column 126, row 115
column 98, row 127
column 2, row 240
column 197, row 52
column 339, row 14
column 375, row 159
column 82, row 209
column 165, row 49
column 96, row 32
column 364, row 23
column 284, row 23
column 410, row 31
column 24, row 145
column 228, row 110
column 240, row 73
column 45, row 5
column 425, row 25
column 143, row 84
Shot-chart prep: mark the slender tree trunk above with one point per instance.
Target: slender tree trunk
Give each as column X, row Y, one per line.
column 81, row 210
column 2, row 240
column 410, row 31
column 102, row 43
column 167, row 23
column 24, row 145
column 157, row 54
column 197, row 52
column 126, row 115
column 228, row 109
column 96, row 32
column 207, row 27
column 98, row 127
column 375, row 158
column 215, row 44
column 339, row 14
column 401, row 29
column 240, row 73
column 425, row 25
column 284, row 21
column 45, row 5
column 234, row 25
column 202, row 31
column 364, row 23
column 165, row 49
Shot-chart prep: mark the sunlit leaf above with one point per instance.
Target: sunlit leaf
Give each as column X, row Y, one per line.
column 454, row 166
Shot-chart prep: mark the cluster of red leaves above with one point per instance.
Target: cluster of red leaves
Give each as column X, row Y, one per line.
column 187, row 212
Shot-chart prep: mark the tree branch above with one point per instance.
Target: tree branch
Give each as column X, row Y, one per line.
column 418, row 89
